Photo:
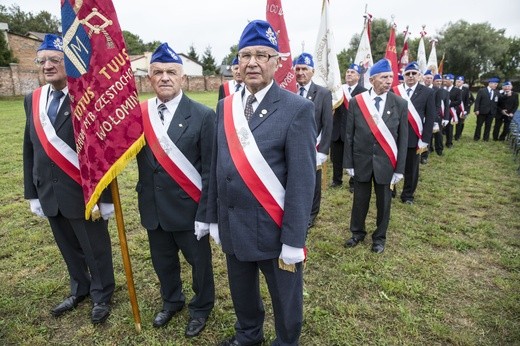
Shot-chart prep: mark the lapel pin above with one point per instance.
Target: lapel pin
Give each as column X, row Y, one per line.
column 262, row 113
column 387, row 112
column 180, row 125
column 67, row 114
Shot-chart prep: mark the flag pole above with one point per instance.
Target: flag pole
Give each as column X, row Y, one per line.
column 124, row 253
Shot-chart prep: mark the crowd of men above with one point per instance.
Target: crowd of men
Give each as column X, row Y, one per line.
column 258, row 162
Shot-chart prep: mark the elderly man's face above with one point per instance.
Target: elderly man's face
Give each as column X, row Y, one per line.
column 257, row 66
column 166, row 79
column 437, row 83
column 53, row 67
column 458, row 83
column 382, row 82
column 411, row 77
column 351, row 76
column 304, row 73
column 236, row 73
column 428, row 80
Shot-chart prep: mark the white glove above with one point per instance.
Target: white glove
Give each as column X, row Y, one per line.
column 435, row 127
column 292, row 255
column 36, row 207
column 397, row 177
column 106, row 210
column 422, row 145
column 350, row 171
column 213, row 232
column 201, row 229
column 320, row 158
column 445, row 122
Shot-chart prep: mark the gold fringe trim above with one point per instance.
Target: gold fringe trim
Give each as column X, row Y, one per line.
column 113, row 172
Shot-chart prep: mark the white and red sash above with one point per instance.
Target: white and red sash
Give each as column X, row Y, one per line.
column 443, row 107
column 60, row 152
column 454, row 117
column 414, row 119
column 227, row 90
column 346, row 95
column 380, row 130
column 249, row 162
column 168, row 154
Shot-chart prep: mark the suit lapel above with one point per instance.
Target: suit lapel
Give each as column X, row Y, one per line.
column 63, row 114
column 311, row 94
column 389, row 107
column 179, row 123
column 267, row 107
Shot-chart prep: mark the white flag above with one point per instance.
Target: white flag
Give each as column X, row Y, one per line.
column 364, row 55
column 421, row 53
column 326, row 67
column 432, row 60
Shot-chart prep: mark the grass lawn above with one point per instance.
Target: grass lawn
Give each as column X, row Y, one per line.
column 449, row 274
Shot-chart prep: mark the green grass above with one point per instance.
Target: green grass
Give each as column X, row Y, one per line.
column 449, row 274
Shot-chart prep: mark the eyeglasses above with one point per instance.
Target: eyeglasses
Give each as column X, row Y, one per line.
column 54, row 60
column 411, row 73
column 259, row 57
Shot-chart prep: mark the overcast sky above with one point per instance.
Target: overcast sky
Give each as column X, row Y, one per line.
column 219, row 23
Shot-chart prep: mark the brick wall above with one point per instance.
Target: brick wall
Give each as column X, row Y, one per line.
column 193, row 83
column 24, row 48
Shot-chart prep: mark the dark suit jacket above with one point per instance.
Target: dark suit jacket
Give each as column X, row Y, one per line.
column 322, row 99
column 222, row 94
column 465, row 93
column 455, row 98
column 339, row 123
column 43, row 179
column 423, row 99
column 363, row 152
column 443, row 96
column 161, row 200
column 484, row 104
column 286, row 136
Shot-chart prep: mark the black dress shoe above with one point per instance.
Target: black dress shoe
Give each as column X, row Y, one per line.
column 335, row 184
column 100, row 312
column 163, row 317
column 234, row 342
column 352, row 242
column 378, row 248
column 68, row 304
column 195, row 326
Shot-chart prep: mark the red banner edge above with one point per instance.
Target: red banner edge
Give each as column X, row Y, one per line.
column 113, row 172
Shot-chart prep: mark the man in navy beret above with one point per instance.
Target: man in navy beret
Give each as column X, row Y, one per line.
column 261, row 189
column 485, row 108
column 172, row 189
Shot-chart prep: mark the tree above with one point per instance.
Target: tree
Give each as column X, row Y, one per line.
column 192, row 54
column 510, row 63
column 473, row 50
column 6, row 55
column 233, row 51
column 134, row 44
column 208, row 63
column 21, row 22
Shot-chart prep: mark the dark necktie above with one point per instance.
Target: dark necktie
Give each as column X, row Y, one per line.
column 161, row 108
column 409, row 91
column 54, row 105
column 302, row 90
column 237, row 87
column 349, row 90
column 248, row 111
column 378, row 99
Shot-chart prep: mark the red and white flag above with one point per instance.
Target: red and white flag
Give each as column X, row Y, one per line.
column 326, row 67
column 364, row 53
column 105, row 106
column 391, row 54
column 284, row 76
column 404, row 57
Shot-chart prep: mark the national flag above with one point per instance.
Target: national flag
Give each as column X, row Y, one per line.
column 364, row 53
column 404, row 57
column 432, row 59
column 326, row 67
column 421, row 53
column 105, row 107
column 441, row 65
column 391, row 54
column 284, row 76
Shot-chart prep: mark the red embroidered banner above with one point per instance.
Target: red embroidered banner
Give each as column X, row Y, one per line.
column 105, row 108
column 284, row 75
